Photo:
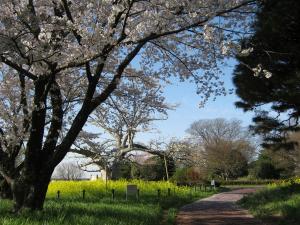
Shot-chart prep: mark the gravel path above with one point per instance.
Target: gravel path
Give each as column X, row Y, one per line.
column 219, row 209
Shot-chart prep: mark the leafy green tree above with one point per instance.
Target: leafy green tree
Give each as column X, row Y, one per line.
column 268, row 71
column 121, row 169
column 153, row 169
column 264, row 168
column 226, row 160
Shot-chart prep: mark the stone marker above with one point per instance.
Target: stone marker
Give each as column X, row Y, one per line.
column 132, row 190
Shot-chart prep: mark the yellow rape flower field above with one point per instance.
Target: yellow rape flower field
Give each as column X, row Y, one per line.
column 157, row 204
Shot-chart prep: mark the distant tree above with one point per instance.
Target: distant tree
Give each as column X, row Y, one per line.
column 153, row 169
column 69, row 171
column 183, row 153
column 225, row 159
column 264, row 168
column 214, row 130
column 292, row 158
column 122, row 170
column 131, row 109
column 267, row 77
column 284, row 162
column 224, row 147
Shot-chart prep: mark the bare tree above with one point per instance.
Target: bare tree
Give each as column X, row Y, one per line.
column 224, row 148
column 212, row 131
column 68, row 171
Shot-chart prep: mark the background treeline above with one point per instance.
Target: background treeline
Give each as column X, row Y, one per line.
column 214, row 149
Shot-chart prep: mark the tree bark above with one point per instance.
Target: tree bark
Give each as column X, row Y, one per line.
column 31, row 193
column 5, row 190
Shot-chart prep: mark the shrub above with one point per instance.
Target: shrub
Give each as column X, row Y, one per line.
column 188, row 176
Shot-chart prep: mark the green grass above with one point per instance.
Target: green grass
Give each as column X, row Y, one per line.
column 279, row 204
column 99, row 209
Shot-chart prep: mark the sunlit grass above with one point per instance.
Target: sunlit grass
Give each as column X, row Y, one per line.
column 279, row 203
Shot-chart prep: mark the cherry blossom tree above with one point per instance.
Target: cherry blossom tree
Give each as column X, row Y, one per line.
column 52, row 49
column 131, row 109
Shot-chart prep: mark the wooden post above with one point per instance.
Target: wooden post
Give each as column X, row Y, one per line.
column 58, row 194
column 83, row 194
column 169, row 192
column 138, row 194
column 113, row 194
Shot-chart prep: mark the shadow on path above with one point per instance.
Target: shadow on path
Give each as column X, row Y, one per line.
column 219, row 209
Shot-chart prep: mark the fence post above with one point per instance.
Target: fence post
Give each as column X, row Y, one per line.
column 83, row 194
column 113, row 194
column 58, row 194
column 138, row 194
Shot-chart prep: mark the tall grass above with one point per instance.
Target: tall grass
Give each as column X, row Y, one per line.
column 98, row 207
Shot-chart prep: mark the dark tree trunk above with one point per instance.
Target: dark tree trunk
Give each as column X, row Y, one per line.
column 30, row 193
column 5, row 190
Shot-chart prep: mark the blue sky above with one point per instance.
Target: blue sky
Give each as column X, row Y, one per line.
column 188, row 111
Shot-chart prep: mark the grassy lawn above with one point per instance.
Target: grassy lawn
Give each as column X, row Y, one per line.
column 99, row 208
column 278, row 204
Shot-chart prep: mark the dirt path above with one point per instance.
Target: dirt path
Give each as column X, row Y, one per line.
column 219, row 209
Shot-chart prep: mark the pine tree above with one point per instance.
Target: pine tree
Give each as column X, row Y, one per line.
column 267, row 79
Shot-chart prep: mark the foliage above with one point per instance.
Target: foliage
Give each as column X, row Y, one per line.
column 98, row 208
column 226, row 160
column 189, row 176
column 279, row 203
column 273, row 164
column 264, row 168
column 122, row 170
column 267, row 76
column 248, row 182
column 153, row 169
